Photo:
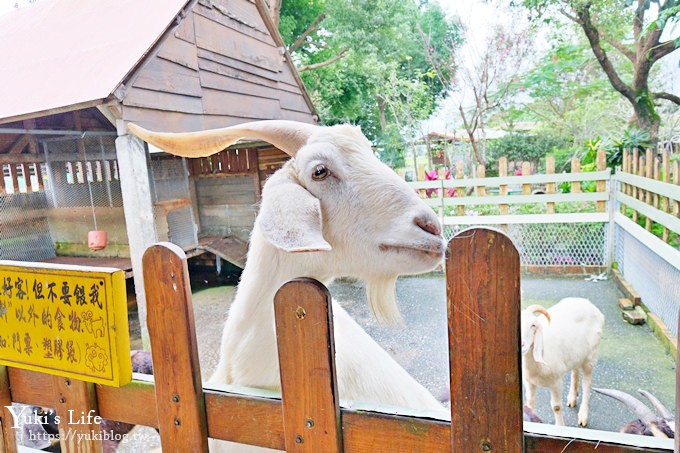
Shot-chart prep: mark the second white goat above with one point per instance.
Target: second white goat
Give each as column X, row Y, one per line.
column 566, row 338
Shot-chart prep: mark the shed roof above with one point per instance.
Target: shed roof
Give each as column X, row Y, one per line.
column 60, row 53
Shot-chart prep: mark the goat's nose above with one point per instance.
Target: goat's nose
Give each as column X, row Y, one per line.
column 429, row 224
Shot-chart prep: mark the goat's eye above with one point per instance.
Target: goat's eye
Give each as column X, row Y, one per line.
column 320, row 173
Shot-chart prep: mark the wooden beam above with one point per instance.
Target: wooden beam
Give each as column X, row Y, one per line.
column 19, row 145
column 304, row 333
column 259, row 420
column 179, row 394
column 484, row 313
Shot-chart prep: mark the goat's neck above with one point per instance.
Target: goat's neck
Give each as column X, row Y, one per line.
column 266, row 271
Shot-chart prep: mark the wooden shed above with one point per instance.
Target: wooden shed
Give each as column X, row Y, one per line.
column 81, row 71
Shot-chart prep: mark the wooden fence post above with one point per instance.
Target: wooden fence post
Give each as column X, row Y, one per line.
column 460, row 191
column 676, row 181
column 503, row 188
column 7, row 434
column 649, row 166
column 481, row 173
column 665, row 201
column 634, row 170
column 177, row 374
column 75, row 400
column 601, row 186
column 526, row 171
column 304, row 333
column 483, row 293
column 575, row 168
column 625, row 168
column 550, row 188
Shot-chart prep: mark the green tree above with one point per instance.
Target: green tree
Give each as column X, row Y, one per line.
column 568, row 95
column 369, row 61
column 634, row 30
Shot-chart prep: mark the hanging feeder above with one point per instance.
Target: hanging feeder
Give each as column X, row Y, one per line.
column 97, row 239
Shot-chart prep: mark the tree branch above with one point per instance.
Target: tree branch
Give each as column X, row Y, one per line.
column 667, row 96
column 324, row 63
column 311, row 29
column 628, row 53
column 583, row 15
column 660, row 51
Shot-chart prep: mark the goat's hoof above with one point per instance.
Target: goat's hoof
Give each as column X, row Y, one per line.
column 582, row 421
column 571, row 403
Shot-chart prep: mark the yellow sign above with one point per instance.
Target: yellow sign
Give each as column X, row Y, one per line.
column 65, row 320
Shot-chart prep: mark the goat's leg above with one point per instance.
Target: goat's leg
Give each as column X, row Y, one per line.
column 530, row 394
column 556, row 401
column 585, row 398
column 573, row 389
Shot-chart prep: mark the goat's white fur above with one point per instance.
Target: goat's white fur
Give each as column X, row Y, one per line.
column 568, row 342
column 362, row 221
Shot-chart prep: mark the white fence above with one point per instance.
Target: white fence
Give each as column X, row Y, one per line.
column 631, row 219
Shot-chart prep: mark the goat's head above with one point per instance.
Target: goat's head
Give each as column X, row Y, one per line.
column 532, row 330
column 647, row 422
column 335, row 197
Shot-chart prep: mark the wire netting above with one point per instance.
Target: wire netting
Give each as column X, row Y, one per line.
column 171, row 182
column 24, row 229
column 657, row 281
column 82, row 172
column 554, row 244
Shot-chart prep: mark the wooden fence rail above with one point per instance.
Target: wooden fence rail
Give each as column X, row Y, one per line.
column 482, row 287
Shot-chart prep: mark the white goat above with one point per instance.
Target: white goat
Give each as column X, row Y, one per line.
column 566, row 338
column 333, row 210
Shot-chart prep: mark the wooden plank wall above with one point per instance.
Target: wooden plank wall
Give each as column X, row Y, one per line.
column 227, row 203
column 220, row 67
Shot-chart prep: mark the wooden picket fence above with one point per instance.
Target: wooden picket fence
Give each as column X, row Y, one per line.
column 650, row 187
column 504, row 191
column 483, row 290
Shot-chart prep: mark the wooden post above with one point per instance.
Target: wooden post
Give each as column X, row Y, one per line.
column 676, row 181
column 38, row 174
column 14, row 172
column 665, row 201
column 526, row 171
column 7, row 435
column 503, row 188
column 649, row 173
column 3, row 190
column 601, row 186
column 481, row 173
column 460, row 191
column 75, row 401
column 304, row 333
column 634, row 170
column 576, row 168
column 625, row 168
column 177, row 374
column 135, row 186
column 483, row 293
column 550, row 188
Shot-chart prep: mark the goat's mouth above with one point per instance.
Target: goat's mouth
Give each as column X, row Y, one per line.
column 434, row 251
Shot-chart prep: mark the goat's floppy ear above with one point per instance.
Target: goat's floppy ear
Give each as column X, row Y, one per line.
column 538, row 342
column 290, row 217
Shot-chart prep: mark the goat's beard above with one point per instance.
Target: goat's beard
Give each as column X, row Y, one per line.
column 381, row 299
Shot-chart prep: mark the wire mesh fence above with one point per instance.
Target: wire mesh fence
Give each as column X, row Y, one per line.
column 171, row 183
column 24, row 229
column 554, row 244
column 657, row 281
